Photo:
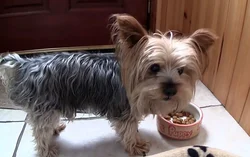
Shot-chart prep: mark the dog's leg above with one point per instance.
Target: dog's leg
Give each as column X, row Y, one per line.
column 44, row 126
column 130, row 137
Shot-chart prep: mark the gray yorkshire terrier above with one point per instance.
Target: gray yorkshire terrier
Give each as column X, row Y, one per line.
column 149, row 74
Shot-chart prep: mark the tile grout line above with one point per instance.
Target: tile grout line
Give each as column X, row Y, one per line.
column 98, row 117
column 210, row 106
column 84, row 118
column 19, row 139
column 14, row 121
column 63, row 119
column 6, row 108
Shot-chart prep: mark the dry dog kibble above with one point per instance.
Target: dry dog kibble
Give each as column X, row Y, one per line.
column 191, row 116
column 179, row 122
column 190, row 121
column 179, row 119
column 168, row 117
column 193, row 119
column 183, row 113
column 174, row 120
column 187, row 114
column 179, row 114
column 171, row 114
column 183, row 118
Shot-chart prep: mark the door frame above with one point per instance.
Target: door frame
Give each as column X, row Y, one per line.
column 152, row 11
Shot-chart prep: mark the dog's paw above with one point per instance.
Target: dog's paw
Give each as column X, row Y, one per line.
column 53, row 151
column 138, row 148
column 59, row 129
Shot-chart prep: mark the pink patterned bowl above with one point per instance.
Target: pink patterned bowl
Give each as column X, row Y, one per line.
column 181, row 131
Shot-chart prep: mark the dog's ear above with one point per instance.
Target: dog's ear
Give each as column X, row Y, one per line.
column 126, row 29
column 201, row 40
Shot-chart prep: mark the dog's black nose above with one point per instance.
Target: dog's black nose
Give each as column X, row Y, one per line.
column 170, row 89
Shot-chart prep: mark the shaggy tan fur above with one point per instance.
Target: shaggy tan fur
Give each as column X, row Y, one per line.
column 137, row 51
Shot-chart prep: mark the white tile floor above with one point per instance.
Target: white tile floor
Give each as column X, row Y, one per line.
column 12, row 115
column 95, row 138
column 9, row 133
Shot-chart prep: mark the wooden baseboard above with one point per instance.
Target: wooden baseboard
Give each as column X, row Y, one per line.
column 61, row 49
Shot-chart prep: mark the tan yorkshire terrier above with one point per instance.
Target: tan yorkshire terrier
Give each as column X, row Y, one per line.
column 148, row 74
column 158, row 71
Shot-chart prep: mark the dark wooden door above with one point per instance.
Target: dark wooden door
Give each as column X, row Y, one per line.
column 35, row 24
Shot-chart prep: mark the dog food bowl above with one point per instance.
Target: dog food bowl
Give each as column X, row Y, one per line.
column 181, row 131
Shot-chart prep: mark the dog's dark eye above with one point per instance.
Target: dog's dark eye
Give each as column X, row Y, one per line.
column 180, row 70
column 155, row 68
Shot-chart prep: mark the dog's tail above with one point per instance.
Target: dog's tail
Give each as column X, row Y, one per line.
column 7, row 66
